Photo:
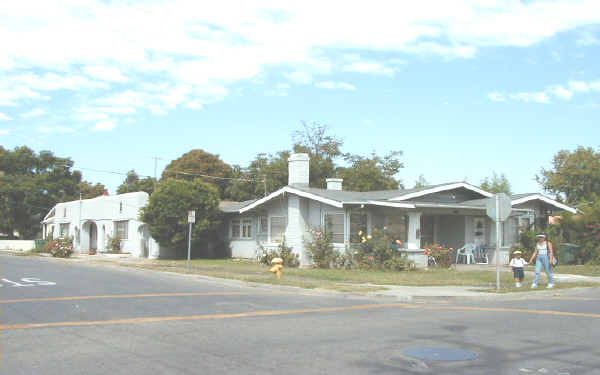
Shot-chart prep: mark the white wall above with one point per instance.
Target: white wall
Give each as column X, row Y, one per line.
column 17, row 245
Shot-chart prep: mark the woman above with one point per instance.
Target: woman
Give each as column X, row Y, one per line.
column 544, row 257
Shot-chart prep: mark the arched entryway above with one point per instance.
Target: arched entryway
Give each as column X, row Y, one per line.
column 89, row 237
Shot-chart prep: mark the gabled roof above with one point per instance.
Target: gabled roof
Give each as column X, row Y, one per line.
column 522, row 198
column 415, row 193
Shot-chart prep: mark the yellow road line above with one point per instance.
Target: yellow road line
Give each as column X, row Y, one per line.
column 109, row 296
column 289, row 312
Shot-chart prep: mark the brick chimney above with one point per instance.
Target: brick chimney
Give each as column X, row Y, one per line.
column 334, row 183
column 298, row 169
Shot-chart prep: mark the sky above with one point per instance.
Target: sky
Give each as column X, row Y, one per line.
column 464, row 89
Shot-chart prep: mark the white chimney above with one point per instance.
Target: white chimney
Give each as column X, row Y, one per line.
column 334, row 183
column 298, row 167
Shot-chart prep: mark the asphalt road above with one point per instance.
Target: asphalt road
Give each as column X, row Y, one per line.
column 72, row 318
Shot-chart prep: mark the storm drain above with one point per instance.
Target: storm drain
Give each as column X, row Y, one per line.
column 440, row 354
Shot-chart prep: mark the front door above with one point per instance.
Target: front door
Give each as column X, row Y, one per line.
column 93, row 237
column 426, row 231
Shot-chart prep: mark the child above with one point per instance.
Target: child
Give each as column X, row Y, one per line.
column 517, row 264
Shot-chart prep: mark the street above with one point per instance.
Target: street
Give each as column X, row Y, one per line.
column 61, row 317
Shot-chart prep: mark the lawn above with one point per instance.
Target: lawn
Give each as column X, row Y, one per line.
column 338, row 279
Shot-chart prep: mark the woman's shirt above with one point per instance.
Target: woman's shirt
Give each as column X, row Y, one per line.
column 542, row 248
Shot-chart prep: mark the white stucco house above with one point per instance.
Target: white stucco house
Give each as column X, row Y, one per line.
column 452, row 214
column 92, row 222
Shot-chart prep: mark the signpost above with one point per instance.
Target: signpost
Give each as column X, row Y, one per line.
column 498, row 208
column 191, row 220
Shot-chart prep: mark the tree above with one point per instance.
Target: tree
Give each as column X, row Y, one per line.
column 89, row 191
column 374, row 173
column 200, row 164
column 265, row 174
column 323, row 150
column 496, row 184
column 133, row 183
column 166, row 213
column 574, row 177
column 30, row 185
column 421, row 182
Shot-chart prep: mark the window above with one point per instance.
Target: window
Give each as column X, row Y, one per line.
column 358, row 222
column 397, row 225
column 334, row 224
column 241, row 228
column 277, row 228
column 247, row 228
column 121, row 229
column 263, row 225
column 120, row 207
column 65, row 212
column 63, row 230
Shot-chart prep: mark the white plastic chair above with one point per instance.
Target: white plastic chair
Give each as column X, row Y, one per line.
column 466, row 252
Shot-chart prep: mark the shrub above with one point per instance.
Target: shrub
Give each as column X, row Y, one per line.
column 62, row 247
column 442, row 255
column 380, row 251
column 113, row 244
column 320, row 250
column 290, row 259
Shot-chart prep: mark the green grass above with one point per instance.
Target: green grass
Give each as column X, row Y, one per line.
column 584, row 270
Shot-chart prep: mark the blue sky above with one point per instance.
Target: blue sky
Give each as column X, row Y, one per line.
column 464, row 89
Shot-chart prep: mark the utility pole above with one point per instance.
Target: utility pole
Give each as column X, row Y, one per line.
column 265, row 185
column 155, row 165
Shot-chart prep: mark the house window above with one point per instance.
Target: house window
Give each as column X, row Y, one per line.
column 263, row 225
column 65, row 212
column 63, row 230
column 121, row 229
column 241, row 228
column 120, row 207
column 397, row 225
column 247, row 228
column 277, row 229
column 358, row 223
column 334, row 224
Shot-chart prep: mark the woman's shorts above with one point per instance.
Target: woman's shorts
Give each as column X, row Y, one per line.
column 518, row 272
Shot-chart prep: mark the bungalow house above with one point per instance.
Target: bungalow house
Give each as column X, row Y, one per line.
column 92, row 222
column 451, row 214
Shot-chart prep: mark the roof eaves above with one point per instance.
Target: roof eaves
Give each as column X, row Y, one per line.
column 444, row 187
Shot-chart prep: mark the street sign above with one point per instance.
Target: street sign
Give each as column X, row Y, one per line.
column 191, row 216
column 504, row 207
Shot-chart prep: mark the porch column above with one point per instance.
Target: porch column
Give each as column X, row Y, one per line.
column 414, row 230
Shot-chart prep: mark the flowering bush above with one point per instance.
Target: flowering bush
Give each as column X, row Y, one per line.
column 62, row 247
column 442, row 255
column 380, row 250
column 320, row 249
column 290, row 259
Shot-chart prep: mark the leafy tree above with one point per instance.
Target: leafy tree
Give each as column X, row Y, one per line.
column 323, row 150
column 133, row 183
column 89, row 191
column 265, row 174
column 166, row 214
column 421, row 182
column 31, row 184
column 574, row 177
column 496, row 184
column 198, row 164
column 374, row 173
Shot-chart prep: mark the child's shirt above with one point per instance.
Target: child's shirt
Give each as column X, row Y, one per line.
column 517, row 262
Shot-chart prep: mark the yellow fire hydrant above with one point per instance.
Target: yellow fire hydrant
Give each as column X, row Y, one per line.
column 277, row 268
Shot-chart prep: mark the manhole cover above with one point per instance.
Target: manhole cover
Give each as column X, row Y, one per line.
column 440, row 354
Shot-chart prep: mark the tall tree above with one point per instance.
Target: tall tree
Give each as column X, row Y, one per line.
column 371, row 173
column 166, row 213
column 496, row 184
column 322, row 148
column 265, row 174
column 133, row 183
column 574, row 177
column 30, row 185
column 421, row 182
column 200, row 164
column 89, row 191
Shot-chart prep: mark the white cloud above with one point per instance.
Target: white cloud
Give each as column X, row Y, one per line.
column 535, row 97
column 34, row 113
column 105, row 73
column 588, row 39
column 579, row 86
column 560, row 92
column 496, row 97
column 4, row 131
column 335, row 85
column 4, row 117
column 299, row 77
column 104, row 125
